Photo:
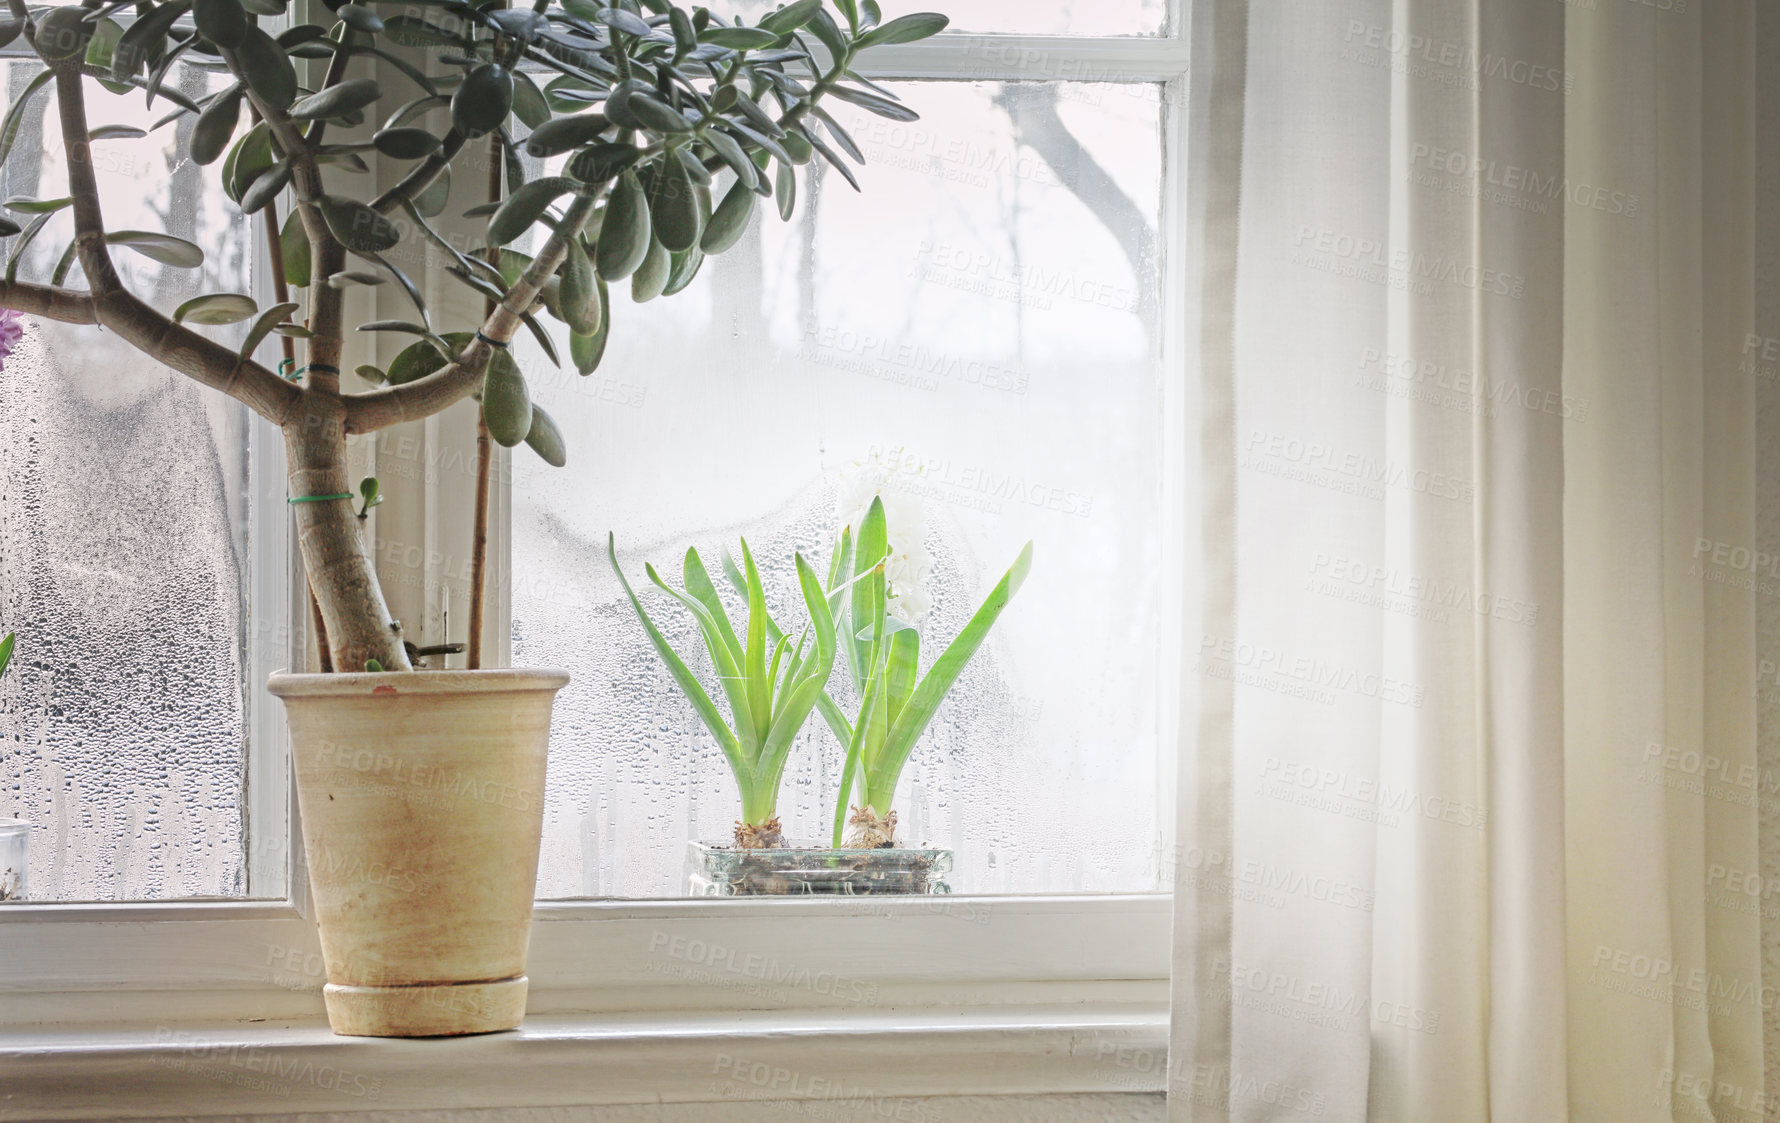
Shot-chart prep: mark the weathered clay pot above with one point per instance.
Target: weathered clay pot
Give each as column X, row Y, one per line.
column 422, row 799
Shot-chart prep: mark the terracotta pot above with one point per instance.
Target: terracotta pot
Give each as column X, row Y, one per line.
column 422, row 800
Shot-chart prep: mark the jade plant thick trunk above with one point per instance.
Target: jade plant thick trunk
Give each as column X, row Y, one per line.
column 356, row 621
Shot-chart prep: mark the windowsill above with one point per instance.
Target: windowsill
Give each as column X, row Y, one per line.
column 218, row 964
column 120, row 1012
column 890, row 1057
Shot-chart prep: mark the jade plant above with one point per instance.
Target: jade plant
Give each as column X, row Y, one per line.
column 883, row 652
column 769, row 684
column 658, row 109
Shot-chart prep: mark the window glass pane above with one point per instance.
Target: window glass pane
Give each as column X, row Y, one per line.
column 123, row 548
column 976, row 333
column 1013, row 17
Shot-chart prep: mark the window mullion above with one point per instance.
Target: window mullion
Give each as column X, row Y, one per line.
column 422, row 533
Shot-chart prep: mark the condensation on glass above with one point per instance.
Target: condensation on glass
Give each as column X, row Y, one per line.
column 976, row 334
column 123, row 548
column 1014, row 17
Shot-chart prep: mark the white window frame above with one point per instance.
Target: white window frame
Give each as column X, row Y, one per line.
column 273, row 577
column 79, row 979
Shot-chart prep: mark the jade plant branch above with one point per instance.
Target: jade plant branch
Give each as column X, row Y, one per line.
column 135, row 321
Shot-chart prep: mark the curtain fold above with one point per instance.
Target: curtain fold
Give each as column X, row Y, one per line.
column 1199, row 1054
column 1473, row 717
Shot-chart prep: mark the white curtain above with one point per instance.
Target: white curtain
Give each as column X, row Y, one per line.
column 1471, row 740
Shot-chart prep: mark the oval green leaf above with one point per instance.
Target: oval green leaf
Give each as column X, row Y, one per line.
column 525, row 206
column 360, row 18
column 617, row 107
column 730, row 219
column 293, row 247
column 62, row 34
column 349, row 277
column 656, row 115
column 263, row 326
column 251, row 155
column 790, row 17
column 585, row 351
column 905, row 29
column 267, row 69
column 164, row 248
column 731, row 151
column 357, row 226
column 673, row 205
column 506, row 403
column 545, row 439
column 337, row 101
column 785, row 187
column 651, row 276
column 15, row 116
column 557, row 136
column 614, row 17
column 601, row 162
column 624, row 234
column 24, row 205
column 797, row 147
column 223, row 22
column 738, row 38
column 266, row 187
column 579, row 297
column 483, row 101
column 145, row 39
column 417, row 360
column 685, row 268
column 117, row 132
column 438, row 193
column 215, row 309
column 528, row 102
column 405, row 143
column 107, row 33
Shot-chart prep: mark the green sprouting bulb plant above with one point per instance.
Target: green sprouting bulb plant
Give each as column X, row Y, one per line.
column 770, row 686
column 883, row 655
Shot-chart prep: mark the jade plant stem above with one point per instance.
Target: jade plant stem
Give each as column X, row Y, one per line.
column 484, row 462
column 281, row 293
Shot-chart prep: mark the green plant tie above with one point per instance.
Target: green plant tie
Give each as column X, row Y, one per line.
column 319, row 498
column 298, row 373
column 284, row 370
column 491, row 342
